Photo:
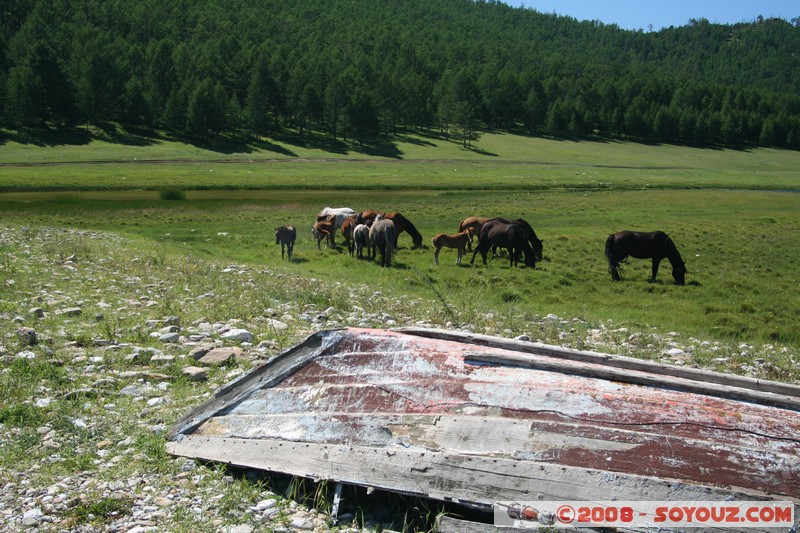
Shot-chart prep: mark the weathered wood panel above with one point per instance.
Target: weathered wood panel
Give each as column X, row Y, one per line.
column 479, row 419
column 475, row 480
column 609, row 360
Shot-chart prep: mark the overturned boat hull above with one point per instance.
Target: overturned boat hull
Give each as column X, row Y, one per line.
column 477, row 419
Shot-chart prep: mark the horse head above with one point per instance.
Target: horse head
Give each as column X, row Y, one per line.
column 470, row 231
column 679, row 273
column 537, row 249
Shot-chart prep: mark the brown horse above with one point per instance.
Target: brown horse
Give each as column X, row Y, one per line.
column 324, row 229
column 382, row 236
column 285, row 236
column 511, row 235
column 459, row 241
column 655, row 245
column 337, row 215
column 476, row 223
column 401, row 224
column 347, row 227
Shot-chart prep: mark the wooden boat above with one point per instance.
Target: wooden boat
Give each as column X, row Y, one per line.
column 477, row 419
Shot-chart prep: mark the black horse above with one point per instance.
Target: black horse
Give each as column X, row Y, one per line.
column 509, row 234
column 655, row 245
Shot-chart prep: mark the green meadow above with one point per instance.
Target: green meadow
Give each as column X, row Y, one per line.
column 133, row 233
column 732, row 214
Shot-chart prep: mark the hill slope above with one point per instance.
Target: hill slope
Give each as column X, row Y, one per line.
column 362, row 68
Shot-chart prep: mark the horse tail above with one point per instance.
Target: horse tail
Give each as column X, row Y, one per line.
column 614, row 260
column 390, row 238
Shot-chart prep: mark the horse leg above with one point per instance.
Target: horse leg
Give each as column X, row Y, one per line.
column 289, row 250
column 475, row 253
column 460, row 253
column 656, row 262
column 281, row 250
column 436, row 255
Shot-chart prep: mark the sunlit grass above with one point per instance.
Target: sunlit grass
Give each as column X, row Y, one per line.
column 500, row 161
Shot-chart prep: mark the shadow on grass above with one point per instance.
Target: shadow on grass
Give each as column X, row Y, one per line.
column 46, row 137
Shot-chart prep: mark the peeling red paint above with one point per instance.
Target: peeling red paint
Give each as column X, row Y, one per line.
column 389, row 389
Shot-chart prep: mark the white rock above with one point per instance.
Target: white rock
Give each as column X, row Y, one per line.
column 264, row 505
column 33, row 513
column 170, row 338
column 153, row 402
column 237, row 335
column 277, row 324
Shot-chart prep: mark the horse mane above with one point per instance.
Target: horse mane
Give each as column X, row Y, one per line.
column 674, row 255
column 531, row 233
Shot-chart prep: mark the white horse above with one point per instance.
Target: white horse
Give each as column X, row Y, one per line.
column 339, row 215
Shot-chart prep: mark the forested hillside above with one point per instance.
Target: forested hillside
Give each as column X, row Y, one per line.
column 359, row 69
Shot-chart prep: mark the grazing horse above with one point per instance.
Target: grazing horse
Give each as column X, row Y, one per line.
column 367, row 216
column 285, row 236
column 324, row 229
column 476, row 223
column 382, row 237
column 361, row 240
column 328, row 211
column 401, row 224
column 511, row 235
column 533, row 240
column 339, row 214
column 347, row 227
column 655, row 245
column 459, row 241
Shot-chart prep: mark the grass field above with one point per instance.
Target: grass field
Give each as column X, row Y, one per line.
column 739, row 244
column 500, row 162
column 82, row 224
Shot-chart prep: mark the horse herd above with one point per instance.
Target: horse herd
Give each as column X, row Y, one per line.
column 378, row 232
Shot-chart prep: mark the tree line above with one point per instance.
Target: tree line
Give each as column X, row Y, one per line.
column 361, row 69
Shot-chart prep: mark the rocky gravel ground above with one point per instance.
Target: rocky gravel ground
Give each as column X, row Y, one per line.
column 102, row 348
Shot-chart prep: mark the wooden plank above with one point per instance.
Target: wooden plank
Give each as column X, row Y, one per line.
column 475, row 480
column 593, row 369
column 617, row 361
column 651, row 451
column 266, row 375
